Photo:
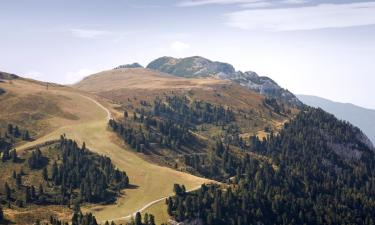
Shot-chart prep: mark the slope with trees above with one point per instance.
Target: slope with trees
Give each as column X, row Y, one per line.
column 327, row 178
column 59, row 174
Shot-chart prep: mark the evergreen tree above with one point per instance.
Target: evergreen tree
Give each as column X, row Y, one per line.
column 1, row 214
column 14, row 155
column 8, row 191
column 138, row 219
column 45, row 174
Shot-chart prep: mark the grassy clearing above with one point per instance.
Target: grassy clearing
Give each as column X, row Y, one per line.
column 159, row 210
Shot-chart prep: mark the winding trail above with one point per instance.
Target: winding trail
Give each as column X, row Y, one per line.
column 149, row 205
column 151, row 183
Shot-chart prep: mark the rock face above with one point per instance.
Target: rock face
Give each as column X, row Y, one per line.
column 126, row 66
column 196, row 66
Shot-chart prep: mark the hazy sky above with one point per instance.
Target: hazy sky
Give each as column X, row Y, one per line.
column 318, row 47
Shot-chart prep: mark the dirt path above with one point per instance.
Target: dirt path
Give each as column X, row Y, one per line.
column 150, row 182
column 149, row 205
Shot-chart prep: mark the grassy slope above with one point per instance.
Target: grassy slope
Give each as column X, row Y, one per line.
column 30, row 105
column 151, row 181
column 129, row 86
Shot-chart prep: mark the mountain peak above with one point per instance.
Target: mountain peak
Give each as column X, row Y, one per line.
column 198, row 67
column 128, row 66
column 194, row 66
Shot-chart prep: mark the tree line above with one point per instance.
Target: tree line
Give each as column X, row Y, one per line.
column 11, row 135
column 79, row 218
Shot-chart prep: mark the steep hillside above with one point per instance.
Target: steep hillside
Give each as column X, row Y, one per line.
column 359, row 116
column 325, row 175
column 196, row 66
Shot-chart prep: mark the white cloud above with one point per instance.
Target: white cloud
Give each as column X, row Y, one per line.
column 73, row 77
column 305, row 18
column 179, row 46
column 84, row 33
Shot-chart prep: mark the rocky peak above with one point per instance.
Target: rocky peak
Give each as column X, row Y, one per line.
column 196, row 66
column 127, row 66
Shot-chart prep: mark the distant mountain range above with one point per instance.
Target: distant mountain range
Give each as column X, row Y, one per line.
column 199, row 67
column 358, row 116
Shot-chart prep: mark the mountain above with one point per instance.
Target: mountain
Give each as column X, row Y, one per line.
column 182, row 118
column 133, row 65
column 359, row 116
column 198, row 67
column 53, row 113
column 261, row 162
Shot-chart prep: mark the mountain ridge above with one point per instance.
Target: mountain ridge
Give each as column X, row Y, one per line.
column 197, row 66
column 357, row 115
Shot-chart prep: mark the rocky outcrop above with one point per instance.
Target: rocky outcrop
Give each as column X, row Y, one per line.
column 7, row 76
column 127, row 66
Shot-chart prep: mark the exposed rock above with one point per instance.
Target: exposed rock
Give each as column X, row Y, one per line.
column 190, row 67
column 8, row 76
column 197, row 67
column 126, row 66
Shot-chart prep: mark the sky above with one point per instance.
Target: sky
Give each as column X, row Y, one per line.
column 317, row 47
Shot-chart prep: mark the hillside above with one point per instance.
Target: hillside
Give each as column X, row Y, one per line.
column 84, row 118
column 198, row 67
column 359, row 116
column 325, row 175
column 162, row 130
column 55, row 176
column 37, row 106
column 176, row 121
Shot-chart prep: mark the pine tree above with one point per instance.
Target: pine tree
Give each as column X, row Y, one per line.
column 138, row 219
column 26, row 135
column 5, row 156
column 1, row 214
column 41, row 190
column 10, row 129
column 14, row 155
column 45, row 174
column 8, row 191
